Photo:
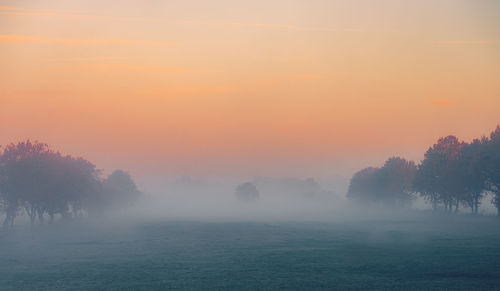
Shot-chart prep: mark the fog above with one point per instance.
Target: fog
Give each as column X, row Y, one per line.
column 196, row 234
column 215, row 200
column 280, row 200
column 71, row 227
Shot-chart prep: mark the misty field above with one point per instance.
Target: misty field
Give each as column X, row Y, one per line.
column 435, row 252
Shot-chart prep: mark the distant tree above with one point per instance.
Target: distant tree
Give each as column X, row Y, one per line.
column 391, row 184
column 436, row 178
column 247, row 192
column 3, row 180
column 76, row 186
column 395, row 181
column 21, row 168
column 363, row 185
column 491, row 164
column 469, row 174
column 119, row 189
column 291, row 187
column 310, row 187
column 42, row 181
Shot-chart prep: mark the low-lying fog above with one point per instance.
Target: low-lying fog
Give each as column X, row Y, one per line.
column 199, row 235
column 202, row 200
column 278, row 200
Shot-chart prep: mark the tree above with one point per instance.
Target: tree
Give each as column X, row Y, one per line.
column 395, row 181
column 76, row 183
column 391, row 184
column 21, row 166
column 491, row 164
column 119, row 189
column 436, row 178
column 470, row 175
column 291, row 187
column 363, row 185
column 43, row 181
column 310, row 187
column 247, row 192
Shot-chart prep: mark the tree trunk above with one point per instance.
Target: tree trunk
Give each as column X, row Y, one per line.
column 32, row 214
column 7, row 220
column 12, row 216
column 40, row 216
column 51, row 214
column 476, row 204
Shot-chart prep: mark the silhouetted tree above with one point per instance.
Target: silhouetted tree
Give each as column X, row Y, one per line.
column 310, row 187
column 395, row 181
column 119, row 189
column 436, row 178
column 363, row 185
column 303, row 188
column 469, row 174
column 390, row 184
column 77, row 187
column 491, row 164
column 43, row 181
column 21, row 168
column 247, row 192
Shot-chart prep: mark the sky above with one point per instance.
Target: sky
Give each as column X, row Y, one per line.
column 283, row 88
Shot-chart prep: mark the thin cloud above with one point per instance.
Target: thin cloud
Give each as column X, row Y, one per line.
column 48, row 13
column 152, row 68
column 18, row 11
column 8, row 8
column 239, row 24
column 309, row 77
column 442, row 103
column 272, row 25
column 15, row 11
column 187, row 91
column 85, row 59
column 466, row 42
column 137, row 68
column 22, row 39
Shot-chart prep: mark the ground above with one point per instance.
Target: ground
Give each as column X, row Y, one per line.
column 436, row 252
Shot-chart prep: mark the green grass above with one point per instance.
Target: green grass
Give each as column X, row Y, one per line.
column 425, row 254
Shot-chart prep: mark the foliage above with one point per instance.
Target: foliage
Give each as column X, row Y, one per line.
column 452, row 173
column 436, row 176
column 390, row 184
column 120, row 188
column 41, row 181
column 247, row 192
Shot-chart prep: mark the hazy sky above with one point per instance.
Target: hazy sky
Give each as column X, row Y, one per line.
column 279, row 88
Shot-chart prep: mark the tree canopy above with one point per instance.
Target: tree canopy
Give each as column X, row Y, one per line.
column 390, row 184
column 247, row 192
column 452, row 173
column 39, row 181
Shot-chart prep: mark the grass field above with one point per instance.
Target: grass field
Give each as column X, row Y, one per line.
column 412, row 254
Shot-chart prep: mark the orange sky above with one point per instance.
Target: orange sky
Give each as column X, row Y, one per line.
column 280, row 88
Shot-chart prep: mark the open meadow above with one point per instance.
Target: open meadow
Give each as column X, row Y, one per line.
column 436, row 252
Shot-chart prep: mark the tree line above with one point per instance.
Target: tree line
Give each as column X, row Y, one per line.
column 40, row 182
column 453, row 173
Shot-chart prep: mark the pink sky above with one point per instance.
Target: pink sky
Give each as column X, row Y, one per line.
column 233, row 88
